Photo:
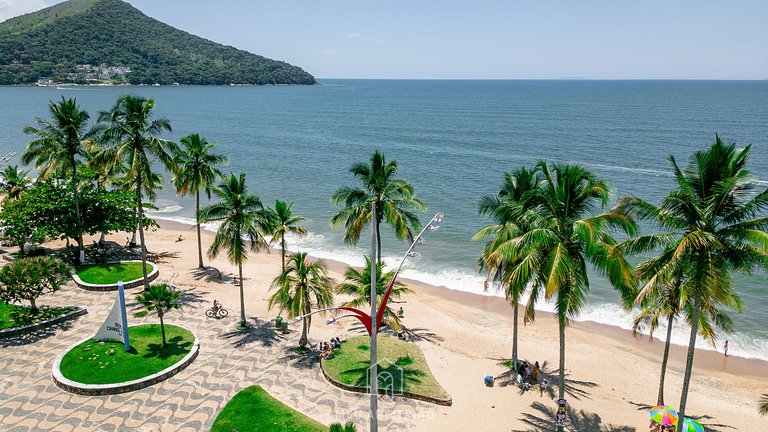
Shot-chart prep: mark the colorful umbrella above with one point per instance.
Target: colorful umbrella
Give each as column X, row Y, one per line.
column 691, row 425
column 663, row 415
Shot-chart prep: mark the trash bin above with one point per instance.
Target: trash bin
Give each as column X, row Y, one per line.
column 278, row 322
column 284, row 326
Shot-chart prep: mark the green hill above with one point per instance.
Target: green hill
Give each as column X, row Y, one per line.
column 88, row 41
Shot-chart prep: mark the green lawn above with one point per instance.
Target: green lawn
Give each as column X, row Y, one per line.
column 94, row 362
column 16, row 316
column 254, row 410
column 104, row 274
column 402, row 361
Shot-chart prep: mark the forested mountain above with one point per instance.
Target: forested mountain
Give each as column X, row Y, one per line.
column 110, row 40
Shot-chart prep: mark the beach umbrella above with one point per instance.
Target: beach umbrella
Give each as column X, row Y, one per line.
column 663, row 415
column 691, row 425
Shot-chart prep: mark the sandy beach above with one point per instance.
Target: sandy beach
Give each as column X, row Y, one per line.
column 466, row 337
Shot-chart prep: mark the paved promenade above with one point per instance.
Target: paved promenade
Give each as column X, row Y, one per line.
column 229, row 361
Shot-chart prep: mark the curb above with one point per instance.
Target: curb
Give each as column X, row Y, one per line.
column 151, row 276
column 356, row 389
column 126, row 386
column 15, row 331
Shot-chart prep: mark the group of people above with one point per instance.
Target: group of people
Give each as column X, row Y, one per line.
column 326, row 348
column 527, row 375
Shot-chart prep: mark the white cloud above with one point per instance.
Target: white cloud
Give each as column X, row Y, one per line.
column 355, row 36
column 12, row 8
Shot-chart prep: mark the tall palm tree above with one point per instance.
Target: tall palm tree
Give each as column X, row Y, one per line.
column 59, row 146
column 357, row 283
column 14, row 182
column 160, row 299
column 284, row 223
column 394, row 198
column 197, row 170
column 303, row 284
column 663, row 295
column 498, row 258
column 129, row 138
column 564, row 239
column 722, row 226
column 243, row 225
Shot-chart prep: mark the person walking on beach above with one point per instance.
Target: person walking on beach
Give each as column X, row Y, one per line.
column 725, row 349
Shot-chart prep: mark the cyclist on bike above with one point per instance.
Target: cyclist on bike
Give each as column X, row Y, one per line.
column 216, row 306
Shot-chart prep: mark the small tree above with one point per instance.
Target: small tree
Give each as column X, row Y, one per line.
column 160, row 299
column 764, row 405
column 29, row 278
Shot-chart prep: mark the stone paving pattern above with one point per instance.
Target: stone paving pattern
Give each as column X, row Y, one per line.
column 229, row 361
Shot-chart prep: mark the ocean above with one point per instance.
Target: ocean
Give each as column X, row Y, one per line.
column 452, row 140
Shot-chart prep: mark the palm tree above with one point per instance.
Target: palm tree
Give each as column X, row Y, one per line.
column 285, row 222
column 394, row 198
column 14, row 182
column 303, row 284
column 722, row 228
column 129, row 138
column 337, row 427
column 496, row 259
column 564, row 240
column 243, row 224
column 664, row 293
column 764, row 404
column 160, row 299
column 59, row 146
column 357, row 283
column 197, row 171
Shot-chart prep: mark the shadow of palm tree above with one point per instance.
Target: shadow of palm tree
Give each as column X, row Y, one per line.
column 573, row 388
column 36, row 335
column 704, row 419
column 417, row 334
column 393, row 377
column 577, row 421
column 263, row 332
column 173, row 347
column 307, row 359
column 191, row 298
column 209, row 274
column 161, row 257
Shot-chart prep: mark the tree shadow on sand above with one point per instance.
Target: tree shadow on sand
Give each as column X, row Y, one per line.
column 705, row 420
column 577, row 421
column 418, row 334
column 573, row 388
column 210, row 275
column 263, row 332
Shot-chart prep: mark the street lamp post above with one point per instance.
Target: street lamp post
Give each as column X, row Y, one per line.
column 372, row 322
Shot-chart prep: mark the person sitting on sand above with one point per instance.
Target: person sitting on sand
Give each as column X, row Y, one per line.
column 235, row 281
column 179, row 239
column 400, row 313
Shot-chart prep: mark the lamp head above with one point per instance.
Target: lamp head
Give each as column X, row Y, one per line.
column 330, row 321
column 295, row 320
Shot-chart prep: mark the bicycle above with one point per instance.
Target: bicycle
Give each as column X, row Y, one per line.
column 221, row 313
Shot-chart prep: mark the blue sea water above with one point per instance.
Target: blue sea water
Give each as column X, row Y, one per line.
column 452, row 140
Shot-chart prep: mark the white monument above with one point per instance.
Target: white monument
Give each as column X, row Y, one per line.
column 116, row 324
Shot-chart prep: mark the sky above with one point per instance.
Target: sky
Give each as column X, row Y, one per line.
column 482, row 39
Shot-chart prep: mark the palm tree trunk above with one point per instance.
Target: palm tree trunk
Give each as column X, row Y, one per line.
column 243, row 323
column 34, row 306
column 140, row 214
column 162, row 325
column 660, row 400
column 78, row 221
column 561, row 387
column 199, row 241
column 514, row 339
column 689, row 364
column 282, row 250
column 304, row 339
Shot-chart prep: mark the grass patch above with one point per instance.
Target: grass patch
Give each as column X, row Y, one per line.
column 105, row 274
column 400, row 361
column 17, row 316
column 254, row 410
column 94, row 362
